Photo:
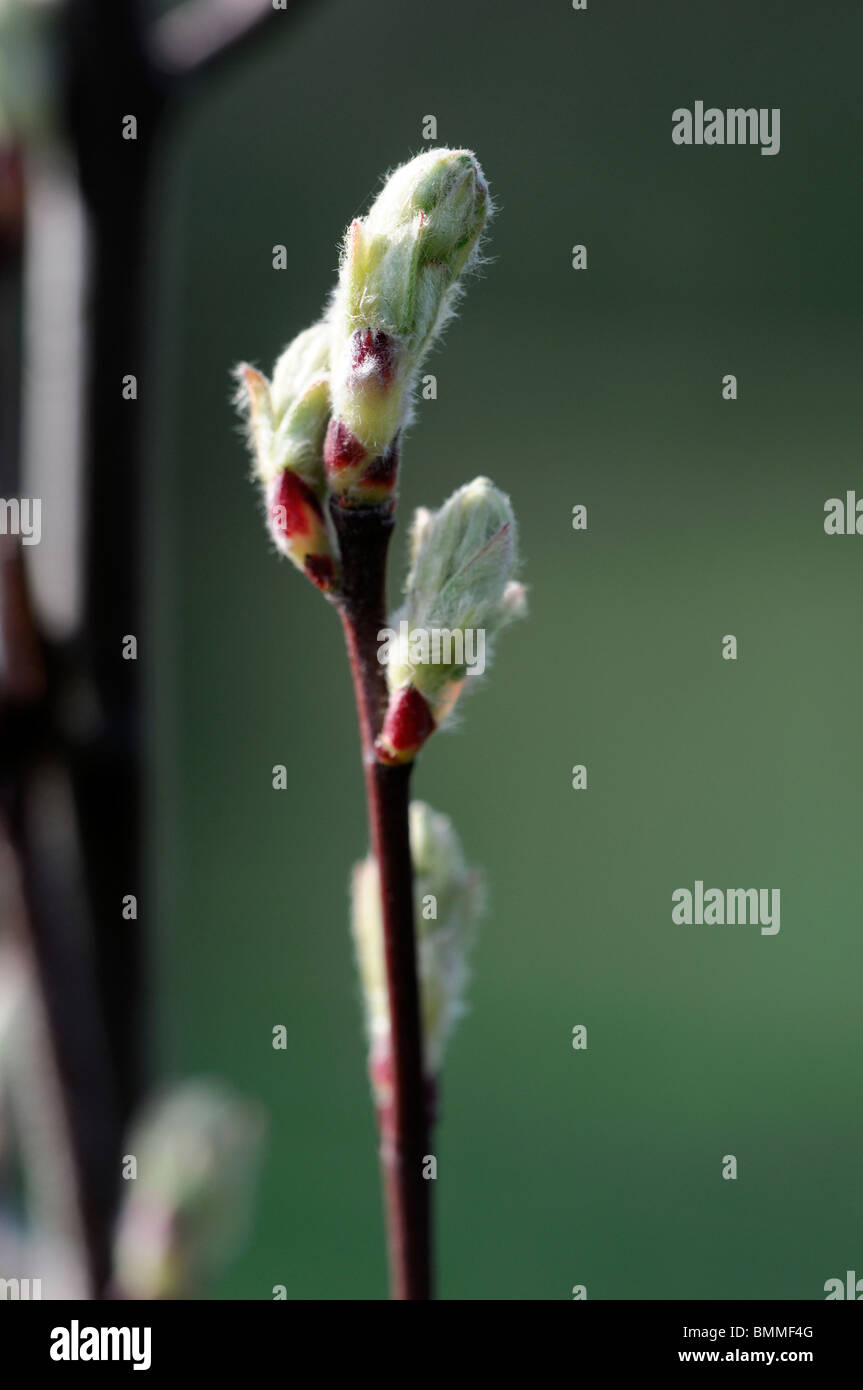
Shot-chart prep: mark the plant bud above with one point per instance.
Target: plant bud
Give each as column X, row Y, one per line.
column 459, row 595
column 287, row 418
column 397, row 282
column 287, row 421
column 196, row 1151
column 407, row 724
column 298, row 527
column 448, row 901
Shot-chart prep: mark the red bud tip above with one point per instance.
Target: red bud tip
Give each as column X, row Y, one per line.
column 373, row 352
column 342, row 449
column 407, row 725
column 378, row 479
column 298, row 528
column 292, row 506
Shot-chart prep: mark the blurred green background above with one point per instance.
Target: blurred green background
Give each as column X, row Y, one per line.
column 705, row 518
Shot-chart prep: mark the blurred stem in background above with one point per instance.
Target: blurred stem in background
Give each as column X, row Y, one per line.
column 72, row 728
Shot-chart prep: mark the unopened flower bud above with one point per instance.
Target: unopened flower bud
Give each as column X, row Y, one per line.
column 287, row 421
column 196, row 1154
column 298, row 527
column 448, row 901
column 397, row 283
column 408, row 723
column 287, row 417
column 459, row 595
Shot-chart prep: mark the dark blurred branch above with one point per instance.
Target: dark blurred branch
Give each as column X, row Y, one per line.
column 108, row 77
column 72, row 746
column 11, row 252
column 34, row 797
column 201, row 35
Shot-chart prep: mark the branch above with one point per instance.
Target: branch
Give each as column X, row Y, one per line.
column 40, row 826
column 404, row 1122
column 198, row 36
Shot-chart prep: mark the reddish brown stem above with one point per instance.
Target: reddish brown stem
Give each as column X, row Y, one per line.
column 404, row 1125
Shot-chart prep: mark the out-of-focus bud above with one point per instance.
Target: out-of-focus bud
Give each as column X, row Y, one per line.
column 287, row 421
column 397, row 284
column 459, row 595
column 448, row 901
column 182, row 1218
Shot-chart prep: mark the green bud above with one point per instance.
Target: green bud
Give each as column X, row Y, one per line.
column 196, row 1152
column 429, row 213
column 444, row 885
column 287, row 417
column 304, row 361
column 287, row 422
column 460, row 586
column 397, row 284
column 448, row 902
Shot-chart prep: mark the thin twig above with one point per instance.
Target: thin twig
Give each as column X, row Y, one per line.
column 404, row 1123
